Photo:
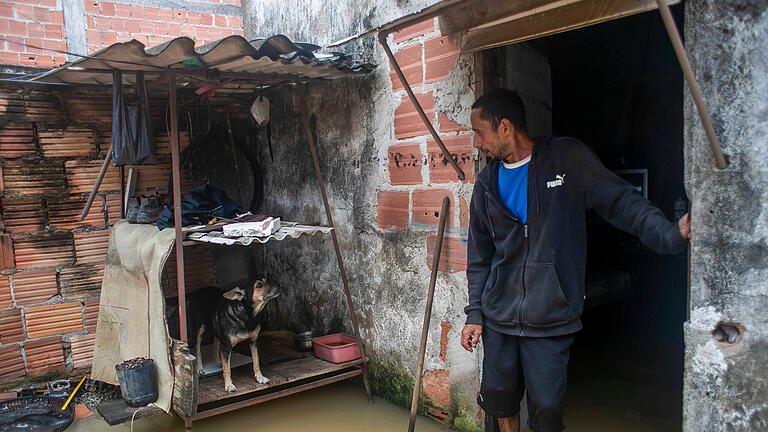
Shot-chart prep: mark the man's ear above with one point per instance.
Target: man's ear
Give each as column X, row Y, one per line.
column 505, row 128
column 236, row 294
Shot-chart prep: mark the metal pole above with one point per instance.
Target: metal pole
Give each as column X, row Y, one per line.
column 175, row 168
column 693, row 85
column 427, row 315
column 353, row 316
column 96, row 185
column 412, row 97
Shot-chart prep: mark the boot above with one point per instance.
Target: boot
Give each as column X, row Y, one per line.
column 133, row 209
column 149, row 211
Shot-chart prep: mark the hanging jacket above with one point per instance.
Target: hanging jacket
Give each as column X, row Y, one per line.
column 528, row 279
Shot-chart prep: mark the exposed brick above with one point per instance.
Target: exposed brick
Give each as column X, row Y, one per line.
column 161, row 28
column 410, row 62
column 11, row 328
column 453, row 257
column 440, row 169
column 91, row 246
column 81, row 176
column 69, row 142
column 107, row 9
column 463, row 212
column 408, row 122
column 17, row 28
column 206, row 19
column 147, row 27
column 5, row 27
column 198, row 271
column 91, row 312
column 427, row 204
column 220, row 21
column 404, row 164
column 33, row 178
column 42, row 15
column 81, row 281
column 53, row 320
column 82, row 350
column 34, row 286
column 92, row 7
column 414, row 30
column 122, row 10
column 57, row 17
column 165, row 15
column 137, row 12
column 11, row 363
column 64, row 213
column 113, row 205
column 440, row 54
column 101, row 23
column 6, row 10
column 33, row 44
column 392, row 209
column 235, row 22
column 5, row 293
column 23, row 215
column 445, row 328
column 180, row 16
column 7, row 259
column 24, row 12
column 447, row 125
column 436, row 385
column 11, row 58
column 117, row 25
column 108, row 38
column 48, row 250
column 193, row 18
column 152, row 13
column 132, row 26
column 45, row 355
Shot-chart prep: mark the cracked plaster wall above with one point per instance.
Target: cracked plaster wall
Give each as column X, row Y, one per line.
column 726, row 387
column 353, row 123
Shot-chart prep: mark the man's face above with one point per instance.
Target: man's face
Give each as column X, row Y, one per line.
column 489, row 141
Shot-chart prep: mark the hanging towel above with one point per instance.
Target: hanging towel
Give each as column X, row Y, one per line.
column 133, row 140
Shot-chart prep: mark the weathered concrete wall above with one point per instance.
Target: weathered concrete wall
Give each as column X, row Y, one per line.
column 726, row 386
column 385, row 183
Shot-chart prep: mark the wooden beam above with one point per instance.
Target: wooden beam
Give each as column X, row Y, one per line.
column 554, row 17
column 469, row 15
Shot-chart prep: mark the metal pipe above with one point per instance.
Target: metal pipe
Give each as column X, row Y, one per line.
column 175, row 168
column 97, row 183
column 693, row 85
column 427, row 315
column 412, row 97
column 347, row 293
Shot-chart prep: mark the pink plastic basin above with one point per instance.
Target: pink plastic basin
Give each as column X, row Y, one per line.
column 336, row 348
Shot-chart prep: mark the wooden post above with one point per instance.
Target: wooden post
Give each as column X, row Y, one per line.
column 347, row 293
column 427, row 315
column 176, row 176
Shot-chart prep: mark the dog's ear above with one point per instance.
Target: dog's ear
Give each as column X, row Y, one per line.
column 236, row 294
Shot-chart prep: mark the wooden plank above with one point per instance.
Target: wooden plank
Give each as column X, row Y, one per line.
column 473, row 13
column 278, row 394
column 212, row 388
column 185, row 381
column 554, row 17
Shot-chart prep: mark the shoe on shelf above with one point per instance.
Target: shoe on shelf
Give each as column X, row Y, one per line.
column 134, row 204
column 150, row 210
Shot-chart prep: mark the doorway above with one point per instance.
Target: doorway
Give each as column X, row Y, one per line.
column 618, row 88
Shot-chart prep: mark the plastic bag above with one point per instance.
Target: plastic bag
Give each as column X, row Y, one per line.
column 133, row 140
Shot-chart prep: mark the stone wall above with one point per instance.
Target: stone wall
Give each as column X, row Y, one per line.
column 726, row 381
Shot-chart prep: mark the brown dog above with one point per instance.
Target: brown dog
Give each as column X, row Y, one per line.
column 238, row 318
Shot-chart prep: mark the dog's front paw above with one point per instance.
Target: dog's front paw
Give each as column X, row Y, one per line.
column 261, row 379
column 230, row 388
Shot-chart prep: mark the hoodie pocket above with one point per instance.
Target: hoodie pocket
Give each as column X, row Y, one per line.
column 545, row 302
column 500, row 301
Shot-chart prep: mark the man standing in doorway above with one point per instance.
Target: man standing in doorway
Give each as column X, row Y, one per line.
column 526, row 256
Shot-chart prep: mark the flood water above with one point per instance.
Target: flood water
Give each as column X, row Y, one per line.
column 340, row 407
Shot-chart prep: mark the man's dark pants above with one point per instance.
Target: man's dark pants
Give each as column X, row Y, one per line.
column 512, row 364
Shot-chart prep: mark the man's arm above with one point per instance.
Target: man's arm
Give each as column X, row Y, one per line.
column 615, row 200
column 480, row 251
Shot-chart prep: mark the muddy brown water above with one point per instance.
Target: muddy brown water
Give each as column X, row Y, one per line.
column 340, row 407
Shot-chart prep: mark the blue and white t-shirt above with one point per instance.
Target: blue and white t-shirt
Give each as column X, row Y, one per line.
column 513, row 187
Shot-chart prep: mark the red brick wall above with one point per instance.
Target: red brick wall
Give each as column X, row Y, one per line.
column 108, row 23
column 419, row 175
column 33, row 28
column 27, row 27
column 53, row 265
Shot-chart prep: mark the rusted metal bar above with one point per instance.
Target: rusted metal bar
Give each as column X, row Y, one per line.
column 427, row 315
column 347, row 293
column 693, row 85
column 176, row 176
column 234, row 160
column 412, row 97
column 271, row 396
column 96, row 184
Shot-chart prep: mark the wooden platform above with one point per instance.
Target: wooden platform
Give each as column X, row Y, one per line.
column 211, row 389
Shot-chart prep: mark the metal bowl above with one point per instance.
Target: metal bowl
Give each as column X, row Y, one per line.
column 303, row 341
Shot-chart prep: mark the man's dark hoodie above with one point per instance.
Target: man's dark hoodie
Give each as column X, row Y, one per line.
column 528, row 280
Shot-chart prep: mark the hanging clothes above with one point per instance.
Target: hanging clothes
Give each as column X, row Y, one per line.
column 133, row 140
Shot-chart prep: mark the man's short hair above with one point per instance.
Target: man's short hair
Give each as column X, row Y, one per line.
column 501, row 103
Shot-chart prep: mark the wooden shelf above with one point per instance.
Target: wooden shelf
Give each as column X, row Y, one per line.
column 211, row 389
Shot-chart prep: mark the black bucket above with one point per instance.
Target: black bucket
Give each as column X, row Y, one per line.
column 138, row 383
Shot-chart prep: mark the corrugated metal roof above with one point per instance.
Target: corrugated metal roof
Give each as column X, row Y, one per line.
column 267, row 61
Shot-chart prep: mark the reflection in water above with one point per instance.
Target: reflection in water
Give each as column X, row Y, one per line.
column 340, row 407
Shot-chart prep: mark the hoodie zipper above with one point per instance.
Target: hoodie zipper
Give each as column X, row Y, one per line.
column 525, row 267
